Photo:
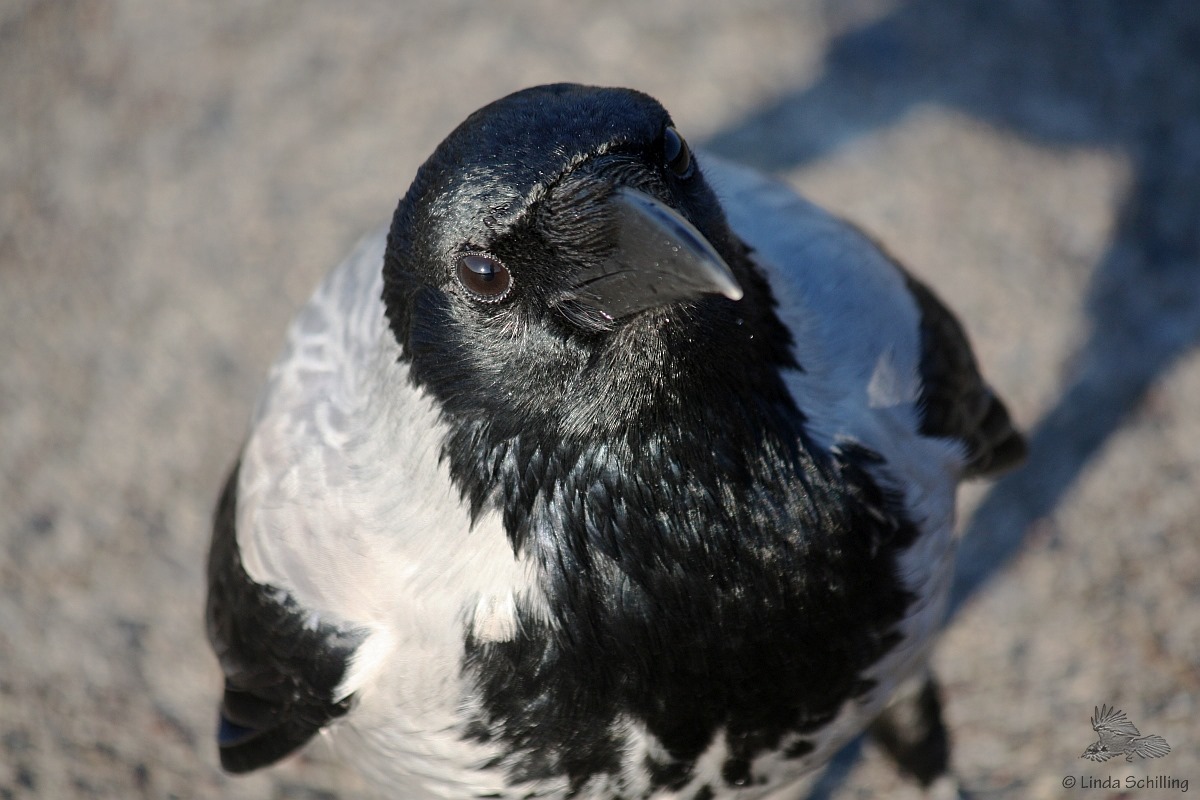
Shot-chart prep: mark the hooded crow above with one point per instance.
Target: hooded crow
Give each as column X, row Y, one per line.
column 611, row 471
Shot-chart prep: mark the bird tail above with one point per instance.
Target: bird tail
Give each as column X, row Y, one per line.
column 1151, row 747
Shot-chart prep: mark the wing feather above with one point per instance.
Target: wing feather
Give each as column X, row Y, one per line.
column 1112, row 721
column 282, row 664
column 955, row 401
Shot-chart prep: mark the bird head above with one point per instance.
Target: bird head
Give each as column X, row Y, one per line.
column 560, row 260
column 1097, row 751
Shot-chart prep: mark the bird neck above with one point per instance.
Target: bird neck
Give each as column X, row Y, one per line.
column 668, row 471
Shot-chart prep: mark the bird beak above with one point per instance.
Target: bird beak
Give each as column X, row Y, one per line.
column 660, row 258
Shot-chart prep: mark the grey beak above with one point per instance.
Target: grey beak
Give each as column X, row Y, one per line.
column 660, row 258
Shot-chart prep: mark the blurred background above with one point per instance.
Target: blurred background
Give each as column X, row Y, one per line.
column 176, row 177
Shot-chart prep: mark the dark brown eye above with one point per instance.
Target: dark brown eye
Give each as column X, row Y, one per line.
column 676, row 153
column 484, row 277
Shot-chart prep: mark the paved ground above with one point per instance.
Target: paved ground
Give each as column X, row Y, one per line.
column 175, row 177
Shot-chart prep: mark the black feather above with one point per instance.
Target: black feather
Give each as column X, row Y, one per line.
column 689, row 613
column 955, row 401
column 280, row 672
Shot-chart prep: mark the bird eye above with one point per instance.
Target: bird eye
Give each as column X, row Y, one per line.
column 484, row 277
column 677, row 154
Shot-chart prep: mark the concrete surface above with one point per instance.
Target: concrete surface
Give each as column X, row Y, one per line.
column 175, row 177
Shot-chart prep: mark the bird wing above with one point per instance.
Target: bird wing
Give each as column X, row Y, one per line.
column 282, row 663
column 871, row 328
column 285, row 649
column 1113, row 722
column 955, row 402
column 858, row 341
column 341, row 540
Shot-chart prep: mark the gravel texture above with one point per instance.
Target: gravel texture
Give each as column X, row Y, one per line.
column 175, row 178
